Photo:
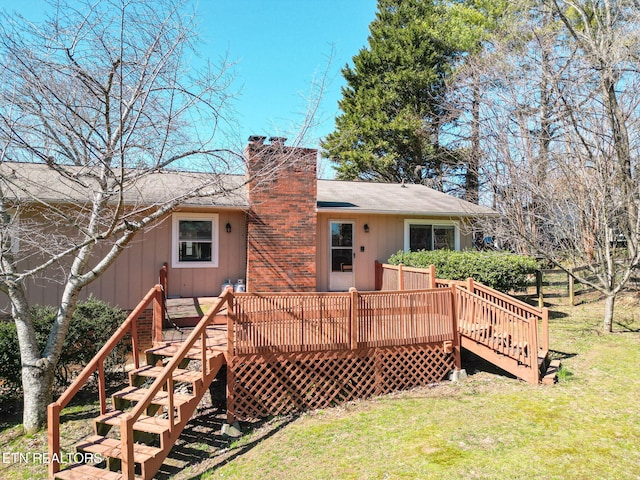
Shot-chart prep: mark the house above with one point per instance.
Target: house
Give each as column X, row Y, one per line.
column 285, row 231
column 286, row 346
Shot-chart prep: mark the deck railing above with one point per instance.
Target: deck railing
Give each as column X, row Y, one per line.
column 500, row 329
column 302, row 322
column 405, row 318
column 499, row 320
column 538, row 316
column 128, row 327
column 400, row 277
column 291, row 322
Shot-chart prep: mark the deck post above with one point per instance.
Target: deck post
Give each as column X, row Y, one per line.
column 53, row 420
column 378, row 276
column 126, row 434
column 231, row 317
column 354, row 317
column 545, row 329
column 471, row 285
column 432, row 276
column 454, row 326
column 163, row 277
column 135, row 343
column 102, row 393
column 158, row 314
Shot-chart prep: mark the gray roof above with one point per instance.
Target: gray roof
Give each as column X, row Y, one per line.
column 392, row 198
column 25, row 181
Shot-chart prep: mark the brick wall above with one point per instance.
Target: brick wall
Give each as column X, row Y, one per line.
column 281, row 229
column 144, row 327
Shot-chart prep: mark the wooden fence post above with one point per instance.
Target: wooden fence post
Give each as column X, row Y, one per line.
column 400, row 277
column 432, row 276
column 572, row 288
column 354, row 317
column 378, row 276
column 539, row 288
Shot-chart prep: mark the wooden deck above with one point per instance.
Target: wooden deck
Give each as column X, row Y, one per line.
column 287, row 352
column 187, row 312
column 216, row 336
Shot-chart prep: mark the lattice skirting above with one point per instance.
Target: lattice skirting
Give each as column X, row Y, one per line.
column 275, row 384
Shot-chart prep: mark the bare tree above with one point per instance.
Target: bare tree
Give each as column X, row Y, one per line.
column 102, row 95
column 557, row 130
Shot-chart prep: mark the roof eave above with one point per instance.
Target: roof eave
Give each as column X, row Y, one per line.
column 406, row 212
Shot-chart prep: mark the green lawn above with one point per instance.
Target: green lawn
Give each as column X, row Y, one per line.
column 489, row 426
column 587, row 426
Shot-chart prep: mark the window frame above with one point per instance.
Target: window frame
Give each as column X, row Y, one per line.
column 434, row 223
column 175, row 241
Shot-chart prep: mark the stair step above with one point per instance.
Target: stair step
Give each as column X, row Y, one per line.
column 136, row 394
column 155, row 425
column 170, row 349
column 109, row 447
column 87, row 472
column 551, row 374
column 179, row 375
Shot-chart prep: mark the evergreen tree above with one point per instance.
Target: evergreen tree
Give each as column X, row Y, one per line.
column 394, row 102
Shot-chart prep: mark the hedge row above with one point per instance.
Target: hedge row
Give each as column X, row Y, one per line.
column 500, row 270
column 92, row 325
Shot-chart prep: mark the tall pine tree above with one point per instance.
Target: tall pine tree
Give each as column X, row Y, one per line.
column 394, row 102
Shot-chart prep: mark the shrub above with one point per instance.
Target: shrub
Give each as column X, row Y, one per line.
column 500, row 270
column 92, row 324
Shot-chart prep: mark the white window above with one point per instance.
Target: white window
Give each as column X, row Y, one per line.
column 430, row 235
column 195, row 240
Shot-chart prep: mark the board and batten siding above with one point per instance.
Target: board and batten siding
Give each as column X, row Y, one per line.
column 385, row 237
column 137, row 268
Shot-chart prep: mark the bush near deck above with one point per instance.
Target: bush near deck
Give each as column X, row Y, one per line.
column 92, row 325
column 500, row 270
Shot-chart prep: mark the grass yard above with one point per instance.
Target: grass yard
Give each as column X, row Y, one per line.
column 488, row 426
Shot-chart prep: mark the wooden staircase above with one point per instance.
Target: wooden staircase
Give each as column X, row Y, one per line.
column 146, row 418
column 154, row 432
column 504, row 331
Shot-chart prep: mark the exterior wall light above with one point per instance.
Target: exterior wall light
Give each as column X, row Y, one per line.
column 366, row 228
column 228, row 227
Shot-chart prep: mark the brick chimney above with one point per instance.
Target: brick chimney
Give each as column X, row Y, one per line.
column 281, row 230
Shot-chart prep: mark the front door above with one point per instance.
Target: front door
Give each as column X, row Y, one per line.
column 341, row 256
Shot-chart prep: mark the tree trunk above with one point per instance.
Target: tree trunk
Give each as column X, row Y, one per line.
column 37, row 372
column 472, row 185
column 37, row 386
column 608, row 313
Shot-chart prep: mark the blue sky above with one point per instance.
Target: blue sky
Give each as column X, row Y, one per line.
column 279, row 47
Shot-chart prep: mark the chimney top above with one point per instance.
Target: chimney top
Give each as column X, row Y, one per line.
column 259, row 139
column 277, row 140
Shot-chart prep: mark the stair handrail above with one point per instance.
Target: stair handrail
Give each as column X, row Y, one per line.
column 97, row 363
column 517, row 306
column 532, row 331
column 166, row 378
